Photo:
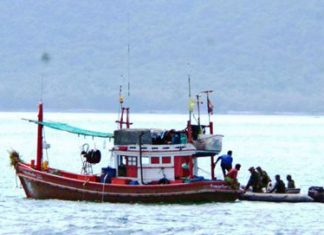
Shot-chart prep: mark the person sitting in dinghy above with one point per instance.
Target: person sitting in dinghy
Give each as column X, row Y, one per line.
column 291, row 182
column 279, row 187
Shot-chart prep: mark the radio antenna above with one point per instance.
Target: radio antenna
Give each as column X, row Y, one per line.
column 45, row 58
column 128, row 57
column 190, row 99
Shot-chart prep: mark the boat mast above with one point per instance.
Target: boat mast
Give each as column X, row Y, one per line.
column 211, row 130
column 198, row 107
column 39, row 156
column 121, row 98
column 128, row 72
column 128, row 57
column 45, row 58
column 121, row 101
column 190, row 107
column 123, row 110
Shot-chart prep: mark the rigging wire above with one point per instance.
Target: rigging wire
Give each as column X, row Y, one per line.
column 206, row 172
column 45, row 145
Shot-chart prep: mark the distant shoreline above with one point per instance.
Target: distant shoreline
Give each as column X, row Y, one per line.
column 167, row 112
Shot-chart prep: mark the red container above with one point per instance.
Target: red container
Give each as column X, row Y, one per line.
column 120, row 181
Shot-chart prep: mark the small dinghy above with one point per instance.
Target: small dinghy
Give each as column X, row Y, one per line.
column 275, row 197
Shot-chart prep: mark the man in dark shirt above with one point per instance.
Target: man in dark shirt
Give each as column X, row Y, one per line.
column 264, row 177
column 279, row 186
column 254, row 181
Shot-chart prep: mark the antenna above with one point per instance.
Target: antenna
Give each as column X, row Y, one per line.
column 190, row 100
column 45, row 58
column 128, row 57
column 191, row 105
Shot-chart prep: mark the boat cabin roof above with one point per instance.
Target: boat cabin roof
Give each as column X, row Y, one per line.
column 148, row 136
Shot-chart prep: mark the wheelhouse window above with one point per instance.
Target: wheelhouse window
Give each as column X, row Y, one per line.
column 155, row 160
column 145, row 160
column 166, row 160
column 132, row 161
column 122, row 165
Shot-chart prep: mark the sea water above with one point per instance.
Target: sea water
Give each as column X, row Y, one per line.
column 279, row 144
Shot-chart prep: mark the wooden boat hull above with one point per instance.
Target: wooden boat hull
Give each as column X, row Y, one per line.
column 45, row 185
column 275, row 197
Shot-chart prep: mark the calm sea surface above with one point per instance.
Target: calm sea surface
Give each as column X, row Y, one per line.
column 280, row 144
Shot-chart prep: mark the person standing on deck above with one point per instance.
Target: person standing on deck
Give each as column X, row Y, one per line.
column 226, row 162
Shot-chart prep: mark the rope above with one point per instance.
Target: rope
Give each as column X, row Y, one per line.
column 103, row 187
column 194, row 116
column 162, row 171
column 204, row 171
column 103, row 190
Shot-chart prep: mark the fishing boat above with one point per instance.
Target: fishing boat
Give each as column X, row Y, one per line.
column 149, row 166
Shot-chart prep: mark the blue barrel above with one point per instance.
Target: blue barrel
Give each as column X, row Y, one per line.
column 106, row 174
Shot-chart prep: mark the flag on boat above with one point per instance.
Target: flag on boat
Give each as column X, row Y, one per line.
column 191, row 104
column 210, row 106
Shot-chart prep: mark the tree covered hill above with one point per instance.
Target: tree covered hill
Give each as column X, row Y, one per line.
column 256, row 56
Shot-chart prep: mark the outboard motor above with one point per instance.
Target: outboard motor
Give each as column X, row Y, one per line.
column 317, row 193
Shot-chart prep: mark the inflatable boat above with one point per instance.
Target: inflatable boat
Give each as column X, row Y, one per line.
column 275, row 197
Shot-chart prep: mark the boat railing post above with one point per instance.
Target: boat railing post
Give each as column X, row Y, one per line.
column 211, row 128
column 140, row 155
column 190, row 167
column 121, row 118
column 212, row 166
column 127, row 118
column 189, row 132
